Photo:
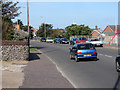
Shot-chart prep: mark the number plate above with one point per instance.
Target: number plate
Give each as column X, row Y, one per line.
column 87, row 55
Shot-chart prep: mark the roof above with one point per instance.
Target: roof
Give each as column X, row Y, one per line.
column 113, row 27
column 96, row 31
column 109, row 33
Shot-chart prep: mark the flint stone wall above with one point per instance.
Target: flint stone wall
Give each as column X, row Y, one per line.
column 15, row 50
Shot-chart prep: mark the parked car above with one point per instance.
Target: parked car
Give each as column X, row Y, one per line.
column 83, row 50
column 43, row 39
column 64, row 41
column 73, row 41
column 81, row 40
column 118, row 63
column 95, row 42
column 49, row 40
column 56, row 40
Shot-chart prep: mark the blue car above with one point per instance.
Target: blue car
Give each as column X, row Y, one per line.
column 56, row 40
column 73, row 41
column 83, row 50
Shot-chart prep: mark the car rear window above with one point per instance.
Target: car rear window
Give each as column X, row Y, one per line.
column 82, row 39
column 49, row 38
column 86, row 46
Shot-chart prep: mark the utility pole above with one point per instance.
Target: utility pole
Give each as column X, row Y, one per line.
column 28, row 29
column 45, row 30
column 28, row 16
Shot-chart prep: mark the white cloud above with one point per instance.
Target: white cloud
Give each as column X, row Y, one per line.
column 68, row 0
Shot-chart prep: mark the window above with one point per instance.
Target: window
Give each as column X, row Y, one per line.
column 86, row 46
column 94, row 40
column 82, row 38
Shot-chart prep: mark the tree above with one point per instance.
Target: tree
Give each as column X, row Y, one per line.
column 44, row 27
column 25, row 28
column 77, row 30
column 19, row 22
column 9, row 11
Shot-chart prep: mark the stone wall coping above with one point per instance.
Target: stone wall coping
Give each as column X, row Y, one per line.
column 7, row 42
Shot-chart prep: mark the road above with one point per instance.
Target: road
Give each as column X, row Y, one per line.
column 86, row 73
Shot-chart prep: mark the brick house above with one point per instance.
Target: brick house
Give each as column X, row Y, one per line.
column 96, row 32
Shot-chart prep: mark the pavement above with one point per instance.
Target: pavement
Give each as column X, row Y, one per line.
column 42, row 73
column 12, row 73
column 86, row 73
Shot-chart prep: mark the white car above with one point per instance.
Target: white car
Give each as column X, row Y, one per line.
column 49, row 40
column 96, row 42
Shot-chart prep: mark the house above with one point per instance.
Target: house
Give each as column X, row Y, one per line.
column 110, row 30
column 110, row 34
column 17, row 26
column 96, row 32
column 34, row 32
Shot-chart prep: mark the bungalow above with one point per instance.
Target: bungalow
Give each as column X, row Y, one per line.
column 96, row 32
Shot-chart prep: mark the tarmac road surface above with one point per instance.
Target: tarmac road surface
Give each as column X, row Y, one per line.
column 86, row 73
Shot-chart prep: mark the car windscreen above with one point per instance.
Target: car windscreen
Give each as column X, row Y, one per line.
column 94, row 40
column 86, row 46
column 57, row 39
column 65, row 39
column 43, row 38
column 82, row 39
column 73, row 39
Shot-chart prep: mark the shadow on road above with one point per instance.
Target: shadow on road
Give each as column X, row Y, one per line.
column 117, row 84
column 88, row 60
column 34, row 56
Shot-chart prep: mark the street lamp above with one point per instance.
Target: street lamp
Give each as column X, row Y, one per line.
column 44, row 27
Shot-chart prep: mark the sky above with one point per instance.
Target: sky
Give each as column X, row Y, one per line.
column 62, row 14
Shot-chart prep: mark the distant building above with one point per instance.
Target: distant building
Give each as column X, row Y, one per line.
column 111, row 29
column 34, row 32
column 17, row 26
column 110, row 34
column 96, row 32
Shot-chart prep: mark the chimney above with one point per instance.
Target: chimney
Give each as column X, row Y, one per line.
column 96, row 27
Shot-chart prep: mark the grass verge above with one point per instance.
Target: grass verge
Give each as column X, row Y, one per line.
column 33, row 49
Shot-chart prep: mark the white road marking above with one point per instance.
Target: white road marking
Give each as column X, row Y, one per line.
column 106, row 55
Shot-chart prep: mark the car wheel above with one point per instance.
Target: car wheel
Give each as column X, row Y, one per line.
column 101, row 45
column 76, row 59
column 71, row 56
column 118, row 66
